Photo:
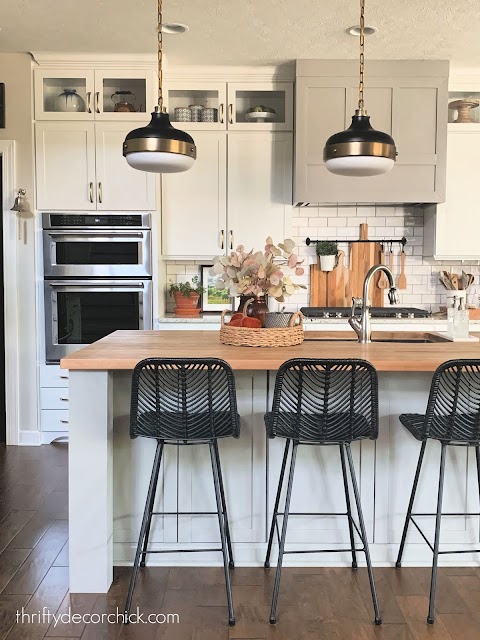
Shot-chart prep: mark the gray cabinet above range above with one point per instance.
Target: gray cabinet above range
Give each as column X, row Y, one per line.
column 407, row 99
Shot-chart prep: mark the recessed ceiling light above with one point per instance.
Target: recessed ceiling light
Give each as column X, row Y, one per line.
column 174, row 28
column 355, row 31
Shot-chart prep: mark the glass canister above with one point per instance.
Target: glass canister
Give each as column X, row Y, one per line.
column 69, row 102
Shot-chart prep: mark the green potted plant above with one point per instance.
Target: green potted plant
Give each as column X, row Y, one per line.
column 186, row 295
column 327, row 252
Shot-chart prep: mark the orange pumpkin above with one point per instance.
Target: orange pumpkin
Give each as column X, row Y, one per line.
column 235, row 323
column 237, row 316
column 251, row 323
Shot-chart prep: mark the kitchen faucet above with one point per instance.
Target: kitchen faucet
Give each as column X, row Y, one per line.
column 362, row 326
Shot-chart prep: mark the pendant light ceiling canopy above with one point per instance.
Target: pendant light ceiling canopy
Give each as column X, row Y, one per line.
column 360, row 150
column 159, row 147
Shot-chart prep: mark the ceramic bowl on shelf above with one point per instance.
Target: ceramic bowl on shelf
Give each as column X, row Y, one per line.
column 260, row 114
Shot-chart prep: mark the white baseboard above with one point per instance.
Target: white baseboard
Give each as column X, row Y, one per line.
column 29, row 438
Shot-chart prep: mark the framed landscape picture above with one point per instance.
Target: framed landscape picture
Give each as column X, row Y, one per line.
column 214, row 299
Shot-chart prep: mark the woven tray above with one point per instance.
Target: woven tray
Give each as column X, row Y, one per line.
column 246, row 337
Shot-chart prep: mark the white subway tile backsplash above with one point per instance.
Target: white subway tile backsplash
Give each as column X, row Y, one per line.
column 342, row 222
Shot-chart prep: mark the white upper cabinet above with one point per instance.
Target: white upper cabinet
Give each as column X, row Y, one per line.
column 407, row 99
column 194, row 206
column 119, row 187
column 65, row 162
column 80, row 167
column 234, row 106
column 116, row 92
column 239, row 191
column 259, row 188
column 452, row 230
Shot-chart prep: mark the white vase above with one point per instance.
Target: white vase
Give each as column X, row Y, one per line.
column 327, row 263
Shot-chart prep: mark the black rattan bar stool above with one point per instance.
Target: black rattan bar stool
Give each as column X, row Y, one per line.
column 184, row 402
column 323, row 402
column 452, row 418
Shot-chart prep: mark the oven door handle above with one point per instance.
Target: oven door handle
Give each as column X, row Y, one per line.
column 91, row 234
column 98, row 285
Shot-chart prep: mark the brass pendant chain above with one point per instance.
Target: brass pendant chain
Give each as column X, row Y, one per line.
column 160, row 57
column 361, row 104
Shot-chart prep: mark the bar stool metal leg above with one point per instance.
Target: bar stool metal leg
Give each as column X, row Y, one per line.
column 143, row 530
column 349, row 508
column 281, row 547
column 223, row 536
column 277, row 502
column 151, row 504
column 433, row 584
column 231, row 563
column 378, row 619
column 398, row 564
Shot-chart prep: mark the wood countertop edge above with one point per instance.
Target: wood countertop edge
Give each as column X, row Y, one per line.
column 122, row 350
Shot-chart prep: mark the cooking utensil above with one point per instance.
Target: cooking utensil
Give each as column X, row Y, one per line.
column 402, row 278
column 382, row 281
column 454, row 280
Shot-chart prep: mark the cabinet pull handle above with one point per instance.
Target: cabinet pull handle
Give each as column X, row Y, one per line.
column 97, row 101
column 89, row 101
column 230, row 113
column 222, row 239
column 64, row 399
column 64, row 377
column 100, row 193
column 231, row 239
column 64, row 421
column 221, row 114
column 90, row 188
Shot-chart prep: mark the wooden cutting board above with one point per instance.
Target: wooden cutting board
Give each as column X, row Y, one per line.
column 328, row 288
column 363, row 256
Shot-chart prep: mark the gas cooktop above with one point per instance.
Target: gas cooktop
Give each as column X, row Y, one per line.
column 376, row 312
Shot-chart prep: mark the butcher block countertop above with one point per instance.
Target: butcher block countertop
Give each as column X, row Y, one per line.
column 124, row 349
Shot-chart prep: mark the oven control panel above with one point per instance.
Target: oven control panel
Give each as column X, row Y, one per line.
column 96, row 220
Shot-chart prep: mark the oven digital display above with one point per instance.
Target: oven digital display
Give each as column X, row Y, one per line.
column 108, row 220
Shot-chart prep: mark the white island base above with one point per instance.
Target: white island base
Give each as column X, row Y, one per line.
column 109, row 473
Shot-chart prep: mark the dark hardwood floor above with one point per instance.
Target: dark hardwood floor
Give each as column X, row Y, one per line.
column 315, row 603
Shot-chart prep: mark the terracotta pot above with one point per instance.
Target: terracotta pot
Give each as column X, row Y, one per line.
column 186, row 305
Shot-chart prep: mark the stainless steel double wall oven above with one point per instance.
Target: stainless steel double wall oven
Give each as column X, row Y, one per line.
column 97, row 277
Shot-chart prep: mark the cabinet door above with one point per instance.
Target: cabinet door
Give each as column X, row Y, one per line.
column 63, row 95
column 246, row 99
column 119, row 187
column 180, row 95
column 456, row 224
column 124, row 90
column 194, row 203
column 65, row 159
column 259, row 188
column 411, row 106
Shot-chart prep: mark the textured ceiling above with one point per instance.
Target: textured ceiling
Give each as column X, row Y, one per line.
column 246, row 31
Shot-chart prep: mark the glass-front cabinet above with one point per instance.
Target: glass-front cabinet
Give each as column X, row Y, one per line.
column 253, row 106
column 83, row 94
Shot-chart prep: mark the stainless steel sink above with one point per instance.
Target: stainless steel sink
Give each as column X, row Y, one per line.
column 399, row 337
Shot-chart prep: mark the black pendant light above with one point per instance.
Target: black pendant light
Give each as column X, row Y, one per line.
column 159, row 147
column 360, row 150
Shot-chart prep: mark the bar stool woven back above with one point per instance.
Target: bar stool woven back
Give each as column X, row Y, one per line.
column 453, row 409
column 183, row 400
column 324, row 401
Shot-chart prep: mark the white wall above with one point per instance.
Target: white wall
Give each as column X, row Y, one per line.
column 15, row 72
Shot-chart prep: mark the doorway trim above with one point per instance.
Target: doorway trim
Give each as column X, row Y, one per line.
column 7, row 151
